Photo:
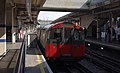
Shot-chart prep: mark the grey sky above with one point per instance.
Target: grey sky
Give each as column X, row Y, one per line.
column 47, row 15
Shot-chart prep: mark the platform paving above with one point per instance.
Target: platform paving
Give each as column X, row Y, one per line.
column 8, row 61
column 35, row 62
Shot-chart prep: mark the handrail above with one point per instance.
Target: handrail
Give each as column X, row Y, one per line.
column 20, row 65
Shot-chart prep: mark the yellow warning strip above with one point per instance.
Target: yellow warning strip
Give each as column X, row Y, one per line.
column 39, row 61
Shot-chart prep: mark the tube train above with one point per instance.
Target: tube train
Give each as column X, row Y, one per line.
column 63, row 41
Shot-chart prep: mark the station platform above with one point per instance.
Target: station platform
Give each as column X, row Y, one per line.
column 8, row 61
column 34, row 59
column 114, row 44
column 35, row 62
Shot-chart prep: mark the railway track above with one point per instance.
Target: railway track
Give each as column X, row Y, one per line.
column 58, row 68
column 106, row 59
column 69, row 68
column 104, row 62
column 81, row 68
column 107, row 64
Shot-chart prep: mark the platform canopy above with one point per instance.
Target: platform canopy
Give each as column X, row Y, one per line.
column 66, row 4
column 24, row 8
column 30, row 8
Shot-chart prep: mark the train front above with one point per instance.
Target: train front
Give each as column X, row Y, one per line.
column 65, row 42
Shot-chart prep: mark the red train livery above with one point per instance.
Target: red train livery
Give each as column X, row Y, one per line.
column 62, row 41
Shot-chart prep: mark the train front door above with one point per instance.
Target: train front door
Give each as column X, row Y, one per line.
column 66, row 47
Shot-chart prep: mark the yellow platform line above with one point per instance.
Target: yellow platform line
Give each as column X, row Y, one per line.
column 39, row 61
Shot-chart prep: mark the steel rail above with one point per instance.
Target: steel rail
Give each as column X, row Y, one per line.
column 81, row 68
column 106, row 59
column 102, row 64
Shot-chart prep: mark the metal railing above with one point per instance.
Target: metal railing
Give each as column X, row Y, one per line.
column 20, row 66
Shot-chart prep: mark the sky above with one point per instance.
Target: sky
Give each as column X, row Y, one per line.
column 47, row 15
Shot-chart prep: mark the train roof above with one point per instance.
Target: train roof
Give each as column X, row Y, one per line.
column 60, row 24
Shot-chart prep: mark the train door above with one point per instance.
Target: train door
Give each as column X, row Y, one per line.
column 66, row 48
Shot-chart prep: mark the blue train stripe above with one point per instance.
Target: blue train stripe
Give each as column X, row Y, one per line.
column 2, row 40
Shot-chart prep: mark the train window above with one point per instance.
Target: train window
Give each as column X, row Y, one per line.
column 51, row 36
column 55, row 33
column 67, row 33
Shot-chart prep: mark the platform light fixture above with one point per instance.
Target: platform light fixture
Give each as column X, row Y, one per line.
column 88, row 44
column 102, row 48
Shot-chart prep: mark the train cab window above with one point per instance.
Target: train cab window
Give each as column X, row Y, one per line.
column 57, row 34
column 51, row 36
